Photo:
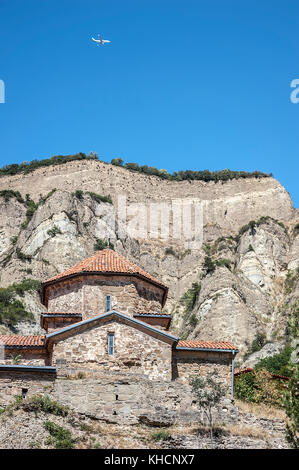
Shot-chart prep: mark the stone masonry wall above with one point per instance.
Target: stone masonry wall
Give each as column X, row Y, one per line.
column 133, row 398
column 24, row 357
column 117, row 398
column 187, row 364
column 12, row 383
column 87, row 295
column 135, row 351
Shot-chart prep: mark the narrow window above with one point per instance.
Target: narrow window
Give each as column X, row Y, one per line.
column 24, row 392
column 108, row 303
column 111, row 343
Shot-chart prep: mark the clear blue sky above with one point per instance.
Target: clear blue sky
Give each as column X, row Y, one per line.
column 190, row 84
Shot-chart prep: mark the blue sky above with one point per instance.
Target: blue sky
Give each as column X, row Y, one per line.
column 193, row 84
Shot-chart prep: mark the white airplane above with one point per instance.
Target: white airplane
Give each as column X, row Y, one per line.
column 100, row 41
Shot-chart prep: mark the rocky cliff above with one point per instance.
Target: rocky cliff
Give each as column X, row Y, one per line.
column 241, row 279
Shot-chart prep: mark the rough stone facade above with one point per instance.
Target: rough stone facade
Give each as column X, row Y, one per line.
column 187, row 364
column 134, row 350
column 13, row 382
column 28, row 357
column 88, row 295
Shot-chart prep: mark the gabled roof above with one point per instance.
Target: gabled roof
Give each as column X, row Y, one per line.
column 16, row 341
column 206, row 345
column 113, row 313
column 106, row 262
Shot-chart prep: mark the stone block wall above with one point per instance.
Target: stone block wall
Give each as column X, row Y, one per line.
column 187, row 364
column 134, row 350
column 13, row 382
column 87, row 295
column 37, row 357
column 133, row 398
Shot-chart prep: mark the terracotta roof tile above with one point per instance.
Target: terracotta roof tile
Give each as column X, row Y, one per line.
column 105, row 261
column 206, row 345
column 22, row 341
column 156, row 314
column 66, row 314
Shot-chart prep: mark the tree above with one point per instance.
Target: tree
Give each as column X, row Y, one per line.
column 291, row 404
column 117, row 161
column 208, row 392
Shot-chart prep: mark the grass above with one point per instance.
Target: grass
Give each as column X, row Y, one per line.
column 160, row 435
column 260, row 410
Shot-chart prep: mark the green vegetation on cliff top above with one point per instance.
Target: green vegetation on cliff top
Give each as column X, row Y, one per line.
column 203, row 175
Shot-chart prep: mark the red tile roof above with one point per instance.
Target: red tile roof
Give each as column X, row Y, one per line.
column 206, row 345
column 106, row 261
column 66, row 314
column 156, row 314
column 22, row 341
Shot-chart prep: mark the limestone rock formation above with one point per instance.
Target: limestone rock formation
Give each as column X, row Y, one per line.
column 252, row 286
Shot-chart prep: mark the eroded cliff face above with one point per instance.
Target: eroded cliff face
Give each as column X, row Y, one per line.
column 245, row 295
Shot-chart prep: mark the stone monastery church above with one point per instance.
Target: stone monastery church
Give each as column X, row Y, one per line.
column 105, row 315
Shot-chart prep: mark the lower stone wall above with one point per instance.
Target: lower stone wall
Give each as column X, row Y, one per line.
column 133, row 399
column 13, row 382
column 188, row 364
column 124, row 398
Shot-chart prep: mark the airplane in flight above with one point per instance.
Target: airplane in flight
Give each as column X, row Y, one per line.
column 100, row 41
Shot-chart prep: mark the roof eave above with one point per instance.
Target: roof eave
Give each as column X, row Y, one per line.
column 46, row 284
column 159, row 332
column 234, row 351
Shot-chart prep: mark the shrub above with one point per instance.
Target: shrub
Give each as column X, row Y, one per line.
column 102, row 244
column 42, row 199
column 26, row 167
column 257, row 344
column 209, row 265
column 9, row 193
column 293, row 320
column 27, row 285
column 61, row 437
column 54, row 231
column 224, row 262
column 22, row 256
column 291, row 280
column 291, row 406
column 14, row 240
column 244, row 387
column 11, row 310
column 193, row 320
column 117, row 161
column 259, row 386
column 170, row 251
column 277, row 364
column 31, row 208
column 45, row 404
column 190, row 297
column 98, row 198
column 79, row 194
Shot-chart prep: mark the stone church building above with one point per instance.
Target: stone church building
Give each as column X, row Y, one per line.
column 106, row 314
